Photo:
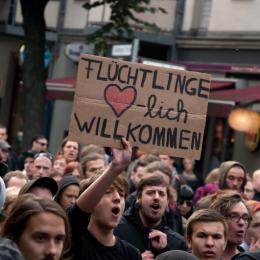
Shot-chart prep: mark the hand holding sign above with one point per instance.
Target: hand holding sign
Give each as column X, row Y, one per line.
column 122, row 158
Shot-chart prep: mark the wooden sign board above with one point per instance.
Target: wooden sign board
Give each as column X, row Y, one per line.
column 160, row 110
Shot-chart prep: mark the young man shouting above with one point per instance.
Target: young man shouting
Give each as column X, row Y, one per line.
column 98, row 211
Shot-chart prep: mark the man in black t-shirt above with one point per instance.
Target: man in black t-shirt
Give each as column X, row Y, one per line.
column 98, row 211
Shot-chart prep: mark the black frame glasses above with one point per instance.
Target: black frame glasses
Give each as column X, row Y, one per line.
column 42, row 144
column 188, row 202
column 234, row 217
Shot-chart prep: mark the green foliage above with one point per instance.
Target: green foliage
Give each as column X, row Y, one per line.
column 122, row 18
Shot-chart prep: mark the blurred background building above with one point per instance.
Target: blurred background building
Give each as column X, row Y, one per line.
column 217, row 37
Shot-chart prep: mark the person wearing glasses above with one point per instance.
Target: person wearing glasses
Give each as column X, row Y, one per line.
column 42, row 165
column 233, row 208
column 185, row 201
column 39, row 143
column 232, row 176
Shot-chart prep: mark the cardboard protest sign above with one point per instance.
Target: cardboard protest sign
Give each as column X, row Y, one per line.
column 160, row 110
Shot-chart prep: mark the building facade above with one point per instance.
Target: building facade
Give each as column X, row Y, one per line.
column 217, row 37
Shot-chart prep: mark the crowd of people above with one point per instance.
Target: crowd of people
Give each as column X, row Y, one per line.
column 88, row 202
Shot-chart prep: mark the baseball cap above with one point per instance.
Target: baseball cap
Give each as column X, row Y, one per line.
column 46, row 182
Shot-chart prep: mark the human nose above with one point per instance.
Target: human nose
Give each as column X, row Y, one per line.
column 156, row 195
column 41, row 171
column 209, row 241
column 52, row 248
column 241, row 221
column 116, row 196
column 235, row 182
column 73, row 200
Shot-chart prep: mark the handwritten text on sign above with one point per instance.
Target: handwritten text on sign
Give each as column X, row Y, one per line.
column 158, row 109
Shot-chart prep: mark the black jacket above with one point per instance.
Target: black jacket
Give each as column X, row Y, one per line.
column 247, row 256
column 131, row 229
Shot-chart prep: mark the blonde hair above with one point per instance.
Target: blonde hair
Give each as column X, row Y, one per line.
column 213, row 176
column 11, row 197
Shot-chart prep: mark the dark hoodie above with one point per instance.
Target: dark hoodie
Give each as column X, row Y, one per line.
column 132, row 230
column 247, row 256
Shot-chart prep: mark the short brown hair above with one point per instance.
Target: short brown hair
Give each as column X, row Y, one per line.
column 224, row 200
column 91, row 148
column 151, row 180
column 9, row 175
column 88, row 158
column 204, row 215
column 144, row 160
column 159, row 166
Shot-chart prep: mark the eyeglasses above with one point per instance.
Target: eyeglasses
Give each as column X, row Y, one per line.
column 236, row 217
column 189, row 203
column 47, row 155
column 40, row 143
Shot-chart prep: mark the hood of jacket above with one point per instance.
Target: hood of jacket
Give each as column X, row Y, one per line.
column 223, row 170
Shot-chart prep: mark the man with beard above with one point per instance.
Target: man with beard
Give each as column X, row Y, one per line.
column 232, row 207
column 232, row 175
column 142, row 224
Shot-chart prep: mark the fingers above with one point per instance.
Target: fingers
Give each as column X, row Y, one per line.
column 147, row 255
column 158, row 239
column 156, row 233
column 126, row 144
column 254, row 244
column 121, row 157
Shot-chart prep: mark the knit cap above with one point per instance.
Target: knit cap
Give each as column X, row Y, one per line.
column 64, row 183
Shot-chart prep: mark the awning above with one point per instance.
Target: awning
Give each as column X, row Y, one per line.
column 220, row 85
column 68, row 82
column 61, row 88
column 245, row 95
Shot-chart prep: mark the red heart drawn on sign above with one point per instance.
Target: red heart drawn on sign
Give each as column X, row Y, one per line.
column 119, row 99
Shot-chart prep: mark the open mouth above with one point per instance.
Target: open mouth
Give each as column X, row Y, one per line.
column 241, row 233
column 115, row 210
column 155, row 206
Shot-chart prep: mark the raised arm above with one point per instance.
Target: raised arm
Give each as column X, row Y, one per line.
column 88, row 200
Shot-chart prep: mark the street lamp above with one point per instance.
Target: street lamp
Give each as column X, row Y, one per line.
column 244, row 120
